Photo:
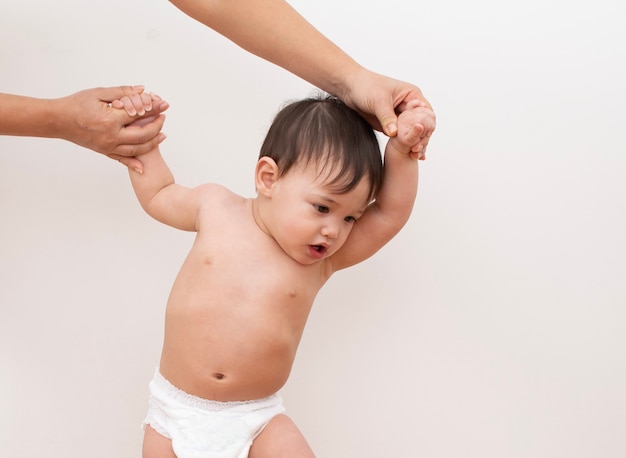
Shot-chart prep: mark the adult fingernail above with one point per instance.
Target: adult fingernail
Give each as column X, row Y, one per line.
column 392, row 128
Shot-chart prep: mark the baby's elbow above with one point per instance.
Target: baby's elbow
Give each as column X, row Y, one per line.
column 399, row 219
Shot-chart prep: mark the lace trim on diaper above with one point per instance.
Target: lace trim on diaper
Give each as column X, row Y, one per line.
column 161, row 384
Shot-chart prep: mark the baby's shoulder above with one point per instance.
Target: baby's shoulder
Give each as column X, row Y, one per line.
column 215, row 198
column 214, row 193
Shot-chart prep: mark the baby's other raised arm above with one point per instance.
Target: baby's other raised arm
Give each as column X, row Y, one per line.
column 384, row 218
column 154, row 183
column 161, row 197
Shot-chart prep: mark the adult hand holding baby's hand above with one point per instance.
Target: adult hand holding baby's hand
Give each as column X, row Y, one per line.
column 414, row 124
column 140, row 106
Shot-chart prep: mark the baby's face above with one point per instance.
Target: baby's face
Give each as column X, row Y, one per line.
column 310, row 219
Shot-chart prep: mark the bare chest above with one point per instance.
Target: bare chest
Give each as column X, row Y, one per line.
column 230, row 270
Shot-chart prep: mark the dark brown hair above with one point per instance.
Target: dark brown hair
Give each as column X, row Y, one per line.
column 325, row 131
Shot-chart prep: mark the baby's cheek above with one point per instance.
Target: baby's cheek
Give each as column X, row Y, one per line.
column 344, row 237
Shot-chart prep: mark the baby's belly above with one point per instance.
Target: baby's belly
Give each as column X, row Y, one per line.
column 234, row 337
column 228, row 357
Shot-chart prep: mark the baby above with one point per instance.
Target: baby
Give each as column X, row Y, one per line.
column 240, row 302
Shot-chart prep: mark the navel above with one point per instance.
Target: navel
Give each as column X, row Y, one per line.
column 219, row 376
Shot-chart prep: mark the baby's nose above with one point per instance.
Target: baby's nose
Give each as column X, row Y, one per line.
column 330, row 231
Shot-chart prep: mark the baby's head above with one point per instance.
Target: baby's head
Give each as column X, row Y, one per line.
column 325, row 133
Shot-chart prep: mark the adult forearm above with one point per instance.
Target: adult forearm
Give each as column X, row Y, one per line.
column 28, row 116
column 275, row 31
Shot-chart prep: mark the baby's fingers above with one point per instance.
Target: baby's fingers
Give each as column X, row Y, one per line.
column 416, row 127
column 412, row 135
column 135, row 104
column 127, row 103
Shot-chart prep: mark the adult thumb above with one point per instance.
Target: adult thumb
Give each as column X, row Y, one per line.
column 389, row 123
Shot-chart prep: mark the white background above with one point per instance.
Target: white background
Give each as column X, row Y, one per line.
column 492, row 326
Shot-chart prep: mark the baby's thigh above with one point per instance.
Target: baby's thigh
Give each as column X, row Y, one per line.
column 155, row 445
column 281, row 438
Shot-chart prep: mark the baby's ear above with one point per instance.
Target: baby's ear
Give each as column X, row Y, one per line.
column 265, row 176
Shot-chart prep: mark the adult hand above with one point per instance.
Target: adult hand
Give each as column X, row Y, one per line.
column 87, row 119
column 379, row 99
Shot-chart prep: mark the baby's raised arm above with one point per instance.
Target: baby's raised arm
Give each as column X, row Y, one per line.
column 161, row 197
column 384, row 218
column 154, row 185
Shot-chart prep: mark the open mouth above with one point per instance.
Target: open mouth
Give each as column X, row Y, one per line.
column 318, row 251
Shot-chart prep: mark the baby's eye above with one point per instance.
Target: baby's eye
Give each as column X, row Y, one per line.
column 321, row 208
column 350, row 219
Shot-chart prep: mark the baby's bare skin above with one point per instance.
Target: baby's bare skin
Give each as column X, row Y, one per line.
column 239, row 305
column 237, row 311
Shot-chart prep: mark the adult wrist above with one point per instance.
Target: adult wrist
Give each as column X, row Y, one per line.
column 343, row 81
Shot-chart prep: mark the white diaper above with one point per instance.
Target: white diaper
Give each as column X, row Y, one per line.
column 201, row 428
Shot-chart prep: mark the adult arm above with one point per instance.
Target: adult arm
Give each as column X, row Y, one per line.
column 273, row 30
column 85, row 118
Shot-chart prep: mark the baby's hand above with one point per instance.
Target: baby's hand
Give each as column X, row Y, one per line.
column 413, row 123
column 136, row 104
column 138, row 107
